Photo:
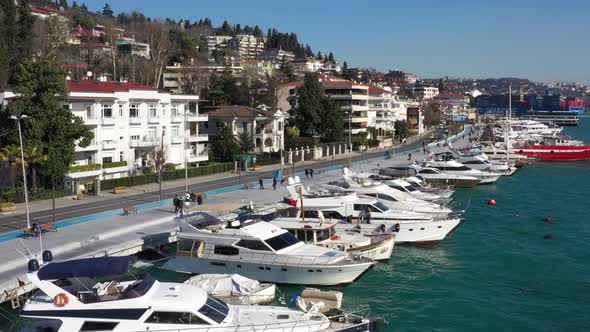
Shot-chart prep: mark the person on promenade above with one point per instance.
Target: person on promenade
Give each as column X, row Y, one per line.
column 199, row 199
column 409, row 156
column 261, row 183
column 274, row 183
column 311, row 172
column 306, row 173
column 175, row 202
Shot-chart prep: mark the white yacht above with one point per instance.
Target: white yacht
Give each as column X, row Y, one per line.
column 260, row 251
column 442, row 191
column 454, row 167
column 313, row 228
column 482, row 163
column 373, row 216
column 406, row 187
column 437, row 177
column 63, row 304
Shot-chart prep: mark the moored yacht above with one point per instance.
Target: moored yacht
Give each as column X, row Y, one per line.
column 442, row 191
column 261, row 251
column 406, row 187
column 454, row 167
column 64, row 304
column 439, row 178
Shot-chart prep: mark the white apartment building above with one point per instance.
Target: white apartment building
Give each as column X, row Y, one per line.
column 276, row 55
column 424, row 91
column 352, row 98
column 308, row 65
column 247, row 46
column 172, row 76
column 217, row 42
column 265, row 125
column 382, row 109
column 129, row 121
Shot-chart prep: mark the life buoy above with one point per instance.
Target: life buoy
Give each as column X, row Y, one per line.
column 61, row 300
column 335, row 237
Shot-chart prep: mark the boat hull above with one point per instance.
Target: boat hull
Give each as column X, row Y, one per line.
column 556, row 152
column 313, row 275
column 458, row 183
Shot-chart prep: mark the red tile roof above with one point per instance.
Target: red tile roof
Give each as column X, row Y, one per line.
column 105, row 87
column 46, row 11
column 377, row 89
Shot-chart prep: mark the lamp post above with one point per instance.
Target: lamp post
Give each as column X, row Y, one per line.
column 22, row 155
column 349, row 138
column 185, row 157
column 161, row 164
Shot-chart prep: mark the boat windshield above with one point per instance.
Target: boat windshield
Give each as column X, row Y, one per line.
column 140, row 288
column 381, row 206
column 282, row 241
column 214, row 309
column 410, row 188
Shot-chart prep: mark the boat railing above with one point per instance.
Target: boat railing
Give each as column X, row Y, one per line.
column 310, row 325
column 276, row 259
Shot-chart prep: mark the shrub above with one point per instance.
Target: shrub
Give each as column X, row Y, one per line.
column 7, row 205
column 168, row 167
column 84, row 168
column 120, row 188
column 148, row 170
column 114, row 164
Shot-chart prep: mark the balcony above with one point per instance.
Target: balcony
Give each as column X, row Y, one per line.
column 177, row 118
column 115, row 167
column 198, row 138
column 144, row 142
column 176, row 139
column 92, row 147
column 194, row 117
column 358, row 108
column 109, row 145
column 198, row 157
column 91, row 121
column 84, row 171
column 358, row 119
column 154, row 119
column 108, row 121
column 135, row 120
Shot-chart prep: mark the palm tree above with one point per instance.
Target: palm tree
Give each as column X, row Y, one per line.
column 34, row 157
column 10, row 154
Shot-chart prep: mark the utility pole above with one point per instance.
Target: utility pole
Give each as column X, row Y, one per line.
column 161, row 164
column 22, row 155
column 350, row 138
column 185, row 146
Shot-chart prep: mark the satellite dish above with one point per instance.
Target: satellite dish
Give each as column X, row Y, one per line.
column 89, row 74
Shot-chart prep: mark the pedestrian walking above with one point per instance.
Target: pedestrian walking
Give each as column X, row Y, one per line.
column 175, row 203
column 409, row 156
column 261, row 183
column 199, row 199
column 274, row 183
column 306, row 173
column 311, row 172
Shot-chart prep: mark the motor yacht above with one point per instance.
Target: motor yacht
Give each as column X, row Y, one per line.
column 260, row 251
column 437, row 177
column 406, row 187
column 442, row 191
column 454, row 167
column 62, row 304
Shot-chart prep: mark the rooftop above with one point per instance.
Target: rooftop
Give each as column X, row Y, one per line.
column 105, row 87
column 238, row 111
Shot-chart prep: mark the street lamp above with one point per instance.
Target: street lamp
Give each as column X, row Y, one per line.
column 161, row 164
column 22, row 155
column 349, row 113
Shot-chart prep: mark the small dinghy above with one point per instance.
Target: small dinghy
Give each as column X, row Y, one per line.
column 234, row 288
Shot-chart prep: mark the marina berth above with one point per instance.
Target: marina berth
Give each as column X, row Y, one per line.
column 64, row 304
column 260, row 251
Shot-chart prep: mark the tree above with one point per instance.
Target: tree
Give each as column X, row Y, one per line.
column 311, row 94
column 330, row 124
column 107, row 10
column 64, row 4
column 40, row 86
column 34, row 156
column 331, row 57
column 441, row 86
column 10, row 155
column 245, row 141
column 224, row 147
column 287, row 71
column 24, row 35
column 402, row 130
column 432, row 115
column 7, row 41
column 158, row 158
column 160, row 48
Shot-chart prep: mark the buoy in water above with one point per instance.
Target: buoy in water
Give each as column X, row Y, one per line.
column 548, row 219
column 492, row 202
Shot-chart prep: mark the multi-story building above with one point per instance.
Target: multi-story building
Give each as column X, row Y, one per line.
column 308, row 65
column 217, row 42
column 129, row 121
column 424, row 91
column 350, row 97
column 275, row 55
column 173, row 76
column 266, row 126
column 129, row 46
column 382, row 109
column 247, row 46
column 457, row 100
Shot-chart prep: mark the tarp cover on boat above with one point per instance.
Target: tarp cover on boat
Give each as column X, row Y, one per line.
column 88, row 267
column 225, row 284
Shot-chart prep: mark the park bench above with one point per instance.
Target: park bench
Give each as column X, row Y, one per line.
column 129, row 209
column 35, row 230
column 48, row 227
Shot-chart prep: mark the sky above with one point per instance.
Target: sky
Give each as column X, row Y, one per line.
column 536, row 39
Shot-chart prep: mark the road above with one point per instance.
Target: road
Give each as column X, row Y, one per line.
column 16, row 222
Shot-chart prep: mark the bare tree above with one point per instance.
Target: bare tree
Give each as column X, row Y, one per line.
column 112, row 35
column 160, row 48
column 50, row 35
column 193, row 78
column 158, row 157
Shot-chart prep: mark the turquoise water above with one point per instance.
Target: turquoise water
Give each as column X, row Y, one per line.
column 503, row 269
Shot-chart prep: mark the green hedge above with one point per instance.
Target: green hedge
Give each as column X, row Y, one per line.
column 84, row 168
column 166, row 176
column 114, row 164
column 18, row 196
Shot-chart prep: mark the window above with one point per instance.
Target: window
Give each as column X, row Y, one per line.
column 332, row 215
column 175, row 131
column 135, row 137
column 152, row 132
column 121, row 156
column 98, row 326
column 245, row 127
column 310, row 214
column 153, row 110
column 280, row 126
column 214, row 310
column 168, row 317
column 107, row 110
column 175, row 110
column 252, row 245
column 226, row 250
column 282, row 241
column 120, row 110
column 134, row 111
column 107, row 160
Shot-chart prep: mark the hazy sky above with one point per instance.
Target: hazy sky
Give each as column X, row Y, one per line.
column 541, row 40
